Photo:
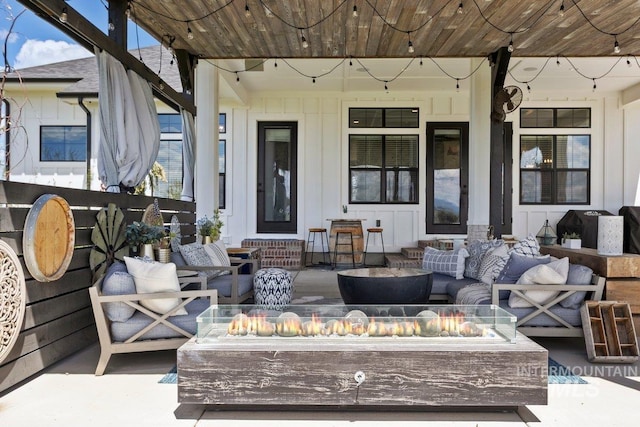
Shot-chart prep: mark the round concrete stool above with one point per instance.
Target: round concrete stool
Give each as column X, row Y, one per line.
column 272, row 288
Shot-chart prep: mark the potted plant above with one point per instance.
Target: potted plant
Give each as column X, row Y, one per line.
column 143, row 236
column 210, row 228
column 571, row 240
column 163, row 252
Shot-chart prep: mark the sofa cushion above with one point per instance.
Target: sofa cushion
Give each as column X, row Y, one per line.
column 477, row 250
column 120, row 331
column 454, row 286
column 446, row 262
column 514, row 268
column 492, row 264
column 117, row 281
column 223, row 284
column 153, row 277
column 553, row 273
column 570, row 316
column 195, row 255
column 219, row 256
column 578, row 275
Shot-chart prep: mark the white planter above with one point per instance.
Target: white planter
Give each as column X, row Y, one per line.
column 572, row 243
column 610, row 235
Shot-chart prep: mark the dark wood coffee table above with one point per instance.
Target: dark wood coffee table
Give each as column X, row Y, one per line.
column 385, row 285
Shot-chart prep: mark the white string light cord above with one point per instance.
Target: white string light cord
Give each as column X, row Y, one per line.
column 524, row 27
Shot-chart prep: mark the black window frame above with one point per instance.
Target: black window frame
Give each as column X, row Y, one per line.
column 554, row 111
column 554, row 171
column 383, row 113
column 65, row 160
column 383, row 170
column 172, row 116
column 222, row 122
column 222, row 176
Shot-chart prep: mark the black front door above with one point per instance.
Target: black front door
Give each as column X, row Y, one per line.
column 277, row 177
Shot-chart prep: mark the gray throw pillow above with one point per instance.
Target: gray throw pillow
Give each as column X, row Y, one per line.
column 117, row 281
column 578, row 275
column 477, row 250
column 195, row 255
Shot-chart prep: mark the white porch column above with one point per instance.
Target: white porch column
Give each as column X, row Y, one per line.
column 206, row 173
column 479, row 143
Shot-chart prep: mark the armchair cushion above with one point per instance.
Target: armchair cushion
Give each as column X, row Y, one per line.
column 223, row 284
column 578, row 275
column 117, row 281
column 151, row 277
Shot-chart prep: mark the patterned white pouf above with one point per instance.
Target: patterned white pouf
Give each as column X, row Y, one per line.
column 272, row 288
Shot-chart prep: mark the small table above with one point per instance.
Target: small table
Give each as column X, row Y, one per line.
column 354, row 226
column 385, row 285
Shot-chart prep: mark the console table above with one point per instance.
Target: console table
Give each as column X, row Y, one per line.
column 622, row 272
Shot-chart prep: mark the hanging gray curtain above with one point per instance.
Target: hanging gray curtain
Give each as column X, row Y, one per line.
column 188, row 154
column 129, row 128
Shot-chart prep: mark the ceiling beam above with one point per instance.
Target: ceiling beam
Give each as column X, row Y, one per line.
column 89, row 36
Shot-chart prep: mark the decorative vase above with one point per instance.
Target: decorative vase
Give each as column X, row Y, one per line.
column 215, row 236
column 146, row 250
column 163, row 255
column 610, row 235
column 572, row 243
column 207, row 240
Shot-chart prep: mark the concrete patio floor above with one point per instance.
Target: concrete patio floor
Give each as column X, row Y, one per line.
column 129, row 394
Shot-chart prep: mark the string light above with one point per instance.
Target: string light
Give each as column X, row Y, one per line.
column 558, row 61
column 355, row 11
column 628, row 62
column 616, row 45
column 313, row 80
column 237, row 78
column 111, row 26
column 247, row 12
column 410, row 44
column 350, row 61
column 528, row 88
column 63, row 15
column 386, row 88
column 275, row 63
column 594, row 85
column 460, row 8
column 189, row 32
column 561, row 12
column 421, row 61
column 510, row 48
column 304, row 42
column 457, row 85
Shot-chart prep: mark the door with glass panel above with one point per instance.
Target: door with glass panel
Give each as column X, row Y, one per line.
column 277, row 177
column 447, row 177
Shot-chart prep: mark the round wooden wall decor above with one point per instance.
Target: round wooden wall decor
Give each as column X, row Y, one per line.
column 13, row 299
column 48, row 238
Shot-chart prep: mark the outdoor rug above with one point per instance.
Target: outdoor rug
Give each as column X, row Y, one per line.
column 558, row 374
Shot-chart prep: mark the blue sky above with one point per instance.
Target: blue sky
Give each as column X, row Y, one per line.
column 35, row 42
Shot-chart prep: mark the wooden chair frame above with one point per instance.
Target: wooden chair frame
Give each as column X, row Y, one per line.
column 134, row 344
column 594, row 292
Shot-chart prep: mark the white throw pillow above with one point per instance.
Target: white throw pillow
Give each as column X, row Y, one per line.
column 218, row 254
column 152, row 277
column 554, row 273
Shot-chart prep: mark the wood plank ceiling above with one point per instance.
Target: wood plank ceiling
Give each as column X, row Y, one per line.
column 383, row 28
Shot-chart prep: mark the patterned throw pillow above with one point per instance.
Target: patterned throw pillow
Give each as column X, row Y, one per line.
column 195, row 255
column 450, row 263
column 492, row 264
column 527, row 247
column 217, row 252
column 477, row 250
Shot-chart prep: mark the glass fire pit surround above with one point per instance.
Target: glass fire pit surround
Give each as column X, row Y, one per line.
column 369, row 323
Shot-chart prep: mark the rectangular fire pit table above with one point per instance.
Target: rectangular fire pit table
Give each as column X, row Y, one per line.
column 367, row 356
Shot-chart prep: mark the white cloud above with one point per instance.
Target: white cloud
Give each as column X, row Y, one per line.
column 39, row 52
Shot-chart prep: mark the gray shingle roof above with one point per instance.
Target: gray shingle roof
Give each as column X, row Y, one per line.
column 83, row 73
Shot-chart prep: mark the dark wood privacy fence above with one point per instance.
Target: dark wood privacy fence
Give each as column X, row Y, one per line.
column 58, row 320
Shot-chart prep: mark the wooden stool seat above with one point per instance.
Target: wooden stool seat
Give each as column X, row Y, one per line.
column 317, row 230
column 374, row 230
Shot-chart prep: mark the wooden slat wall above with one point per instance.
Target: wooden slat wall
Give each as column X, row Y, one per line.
column 58, row 317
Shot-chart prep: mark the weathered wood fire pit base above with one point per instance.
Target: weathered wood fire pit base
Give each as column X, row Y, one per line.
column 309, row 373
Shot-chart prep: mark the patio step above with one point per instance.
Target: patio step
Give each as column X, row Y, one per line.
column 401, row 261
column 412, row 253
column 278, row 253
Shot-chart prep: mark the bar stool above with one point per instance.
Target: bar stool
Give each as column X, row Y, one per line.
column 366, row 249
column 311, row 239
column 349, row 244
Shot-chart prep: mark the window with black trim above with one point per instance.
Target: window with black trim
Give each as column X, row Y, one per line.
column 170, row 123
column 222, row 172
column 222, row 123
column 555, row 169
column 63, row 143
column 555, row 117
column 384, row 117
column 383, row 169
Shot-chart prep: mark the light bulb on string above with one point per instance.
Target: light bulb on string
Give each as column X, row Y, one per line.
column 304, row 43
column 247, row 12
column 63, row 15
column 275, row 63
column 237, row 78
column 111, row 26
column 421, row 61
column 189, row 32
column 386, row 88
column 616, row 46
column 410, row 47
column 594, row 85
column 457, row 85
column 558, row 61
column 528, row 88
column 561, row 12
column 313, row 80
column 510, row 48
column 355, row 11
column 350, row 62
column 628, row 62
column 460, row 8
